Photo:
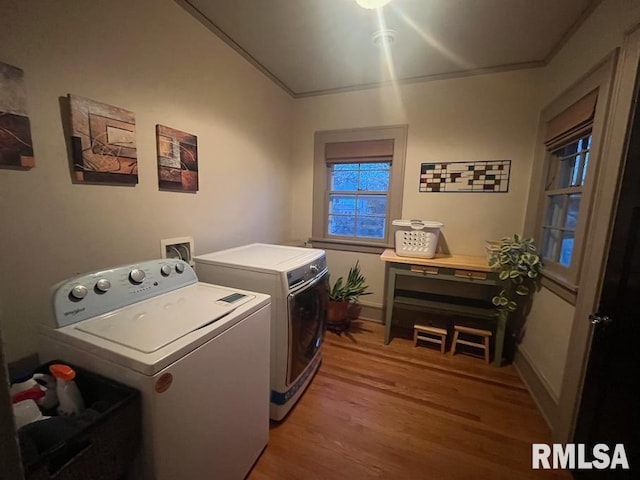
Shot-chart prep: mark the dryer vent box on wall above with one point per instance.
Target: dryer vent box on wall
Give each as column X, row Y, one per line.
column 181, row 248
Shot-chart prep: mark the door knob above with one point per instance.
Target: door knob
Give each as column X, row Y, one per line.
column 597, row 319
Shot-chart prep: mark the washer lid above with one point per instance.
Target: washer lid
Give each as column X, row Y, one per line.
column 262, row 256
column 152, row 324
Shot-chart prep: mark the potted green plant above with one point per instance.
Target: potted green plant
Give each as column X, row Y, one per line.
column 342, row 295
column 519, row 265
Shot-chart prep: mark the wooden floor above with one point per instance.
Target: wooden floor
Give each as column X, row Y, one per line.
column 405, row 412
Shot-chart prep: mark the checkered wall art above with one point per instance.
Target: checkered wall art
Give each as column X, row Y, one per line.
column 485, row 176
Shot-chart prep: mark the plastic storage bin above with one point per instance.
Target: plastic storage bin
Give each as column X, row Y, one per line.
column 100, row 445
column 416, row 238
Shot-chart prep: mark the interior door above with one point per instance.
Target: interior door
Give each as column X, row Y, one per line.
column 610, row 406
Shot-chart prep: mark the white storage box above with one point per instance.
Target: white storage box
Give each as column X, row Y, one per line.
column 416, row 238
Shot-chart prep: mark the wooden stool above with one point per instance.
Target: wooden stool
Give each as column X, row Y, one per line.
column 484, row 334
column 422, row 332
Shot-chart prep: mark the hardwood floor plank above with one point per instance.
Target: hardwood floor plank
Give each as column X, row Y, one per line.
column 402, row 412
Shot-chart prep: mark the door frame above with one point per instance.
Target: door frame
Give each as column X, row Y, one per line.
column 598, row 235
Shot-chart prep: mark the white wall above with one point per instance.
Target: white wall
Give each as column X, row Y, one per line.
column 154, row 59
column 549, row 324
column 484, row 117
column 601, row 32
column 546, row 337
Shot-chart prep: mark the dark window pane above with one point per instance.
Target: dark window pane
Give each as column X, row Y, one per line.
column 342, row 225
column 372, row 205
column 573, row 209
column 550, row 241
column 568, row 171
column 584, row 168
column 342, row 204
column 370, row 227
column 568, row 150
column 554, row 211
column 344, row 180
column 573, row 160
column 374, row 180
column 576, row 173
column 567, row 249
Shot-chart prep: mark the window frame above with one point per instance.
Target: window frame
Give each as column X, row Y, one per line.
column 561, row 280
column 321, row 186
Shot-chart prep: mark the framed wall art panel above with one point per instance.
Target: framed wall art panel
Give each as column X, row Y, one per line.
column 16, row 149
column 177, row 159
column 103, row 142
column 482, row 176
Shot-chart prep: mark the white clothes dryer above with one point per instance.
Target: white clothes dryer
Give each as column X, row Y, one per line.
column 297, row 280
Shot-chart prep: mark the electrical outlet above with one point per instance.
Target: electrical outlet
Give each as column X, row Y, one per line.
column 181, row 247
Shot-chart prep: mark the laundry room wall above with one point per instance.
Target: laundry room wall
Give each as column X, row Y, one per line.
column 483, row 117
column 546, row 344
column 153, row 58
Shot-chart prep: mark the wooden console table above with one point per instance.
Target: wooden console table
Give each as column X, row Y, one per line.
column 450, row 268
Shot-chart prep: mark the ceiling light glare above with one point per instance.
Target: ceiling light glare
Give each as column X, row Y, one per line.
column 383, row 38
column 371, row 4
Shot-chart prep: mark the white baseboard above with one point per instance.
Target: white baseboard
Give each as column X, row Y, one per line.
column 537, row 385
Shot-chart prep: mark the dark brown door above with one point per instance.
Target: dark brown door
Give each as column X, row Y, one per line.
column 610, row 407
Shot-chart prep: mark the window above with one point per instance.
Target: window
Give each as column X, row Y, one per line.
column 358, row 200
column 358, row 177
column 565, row 177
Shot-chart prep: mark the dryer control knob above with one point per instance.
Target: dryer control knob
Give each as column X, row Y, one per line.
column 179, row 267
column 103, row 285
column 79, row 292
column 136, row 275
column 165, row 270
column 313, row 269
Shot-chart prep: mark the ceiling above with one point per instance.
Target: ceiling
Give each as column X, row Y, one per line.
column 315, row 47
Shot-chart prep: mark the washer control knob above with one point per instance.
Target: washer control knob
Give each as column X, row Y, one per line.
column 136, row 275
column 179, row 267
column 313, row 269
column 79, row 292
column 165, row 270
column 103, row 285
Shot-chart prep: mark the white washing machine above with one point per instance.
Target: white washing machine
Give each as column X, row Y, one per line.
column 297, row 280
column 198, row 353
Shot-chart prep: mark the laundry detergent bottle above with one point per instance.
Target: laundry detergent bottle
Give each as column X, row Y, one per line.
column 69, row 396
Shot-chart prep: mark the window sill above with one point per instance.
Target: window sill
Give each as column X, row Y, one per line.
column 560, row 286
column 349, row 245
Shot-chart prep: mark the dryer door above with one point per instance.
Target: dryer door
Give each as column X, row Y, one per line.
column 307, row 324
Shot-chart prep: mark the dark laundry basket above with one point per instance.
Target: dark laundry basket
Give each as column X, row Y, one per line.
column 99, row 444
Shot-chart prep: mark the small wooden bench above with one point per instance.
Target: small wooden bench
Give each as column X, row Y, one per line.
column 482, row 334
column 423, row 332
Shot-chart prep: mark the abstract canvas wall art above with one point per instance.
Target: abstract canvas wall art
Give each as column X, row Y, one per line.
column 16, row 149
column 483, row 176
column 103, row 142
column 177, row 159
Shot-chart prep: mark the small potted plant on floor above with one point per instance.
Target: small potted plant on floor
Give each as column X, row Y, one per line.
column 342, row 295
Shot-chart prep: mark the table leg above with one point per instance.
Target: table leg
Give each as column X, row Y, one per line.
column 499, row 345
column 391, row 287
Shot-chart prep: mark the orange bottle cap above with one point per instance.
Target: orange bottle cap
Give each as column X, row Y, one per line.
column 64, row 372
